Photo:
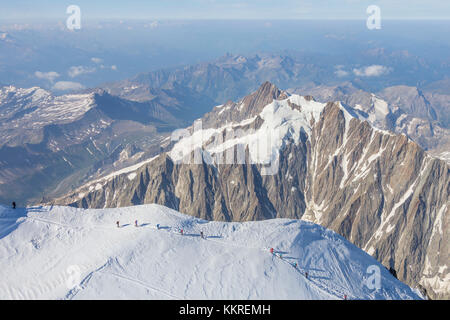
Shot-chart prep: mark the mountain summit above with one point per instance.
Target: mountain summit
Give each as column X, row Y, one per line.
column 154, row 260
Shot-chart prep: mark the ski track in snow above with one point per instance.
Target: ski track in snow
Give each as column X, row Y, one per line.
column 78, row 228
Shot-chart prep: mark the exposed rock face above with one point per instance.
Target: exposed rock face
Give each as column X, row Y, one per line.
column 378, row 189
column 383, row 193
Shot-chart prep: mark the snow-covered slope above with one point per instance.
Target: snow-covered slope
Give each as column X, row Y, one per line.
column 278, row 118
column 34, row 108
column 68, row 253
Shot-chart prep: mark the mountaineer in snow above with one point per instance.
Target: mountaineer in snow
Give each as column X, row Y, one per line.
column 157, row 226
column 118, row 224
column 181, row 231
column 14, row 205
column 201, row 235
column 135, row 223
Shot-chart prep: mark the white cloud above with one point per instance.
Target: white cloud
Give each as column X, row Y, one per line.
column 113, row 67
column 50, row 76
column 152, row 25
column 372, row 71
column 67, row 85
column 79, row 70
column 96, row 60
column 340, row 72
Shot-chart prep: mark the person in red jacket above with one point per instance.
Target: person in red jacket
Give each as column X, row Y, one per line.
column 271, row 250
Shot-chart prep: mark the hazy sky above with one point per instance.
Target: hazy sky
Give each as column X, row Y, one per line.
column 224, row 9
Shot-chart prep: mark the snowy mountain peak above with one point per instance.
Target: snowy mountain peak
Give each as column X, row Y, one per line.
column 263, row 121
column 13, row 94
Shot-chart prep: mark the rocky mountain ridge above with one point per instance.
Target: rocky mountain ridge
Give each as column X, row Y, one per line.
column 401, row 109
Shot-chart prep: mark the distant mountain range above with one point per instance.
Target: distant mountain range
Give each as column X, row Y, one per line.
column 51, row 143
column 323, row 162
column 422, row 115
column 128, row 119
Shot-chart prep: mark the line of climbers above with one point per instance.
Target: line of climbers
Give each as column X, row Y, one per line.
column 295, row 265
column 181, row 231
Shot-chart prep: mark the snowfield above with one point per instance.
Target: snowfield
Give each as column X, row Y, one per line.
column 69, row 253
